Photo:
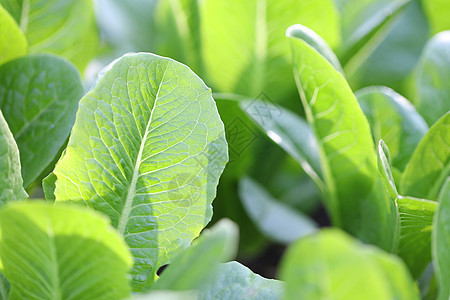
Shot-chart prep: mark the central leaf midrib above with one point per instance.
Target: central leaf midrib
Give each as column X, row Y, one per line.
column 260, row 47
column 330, row 190
column 132, row 188
column 28, row 123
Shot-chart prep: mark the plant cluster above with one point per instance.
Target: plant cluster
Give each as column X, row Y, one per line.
column 107, row 183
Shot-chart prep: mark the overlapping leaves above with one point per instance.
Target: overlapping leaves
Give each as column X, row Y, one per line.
column 147, row 149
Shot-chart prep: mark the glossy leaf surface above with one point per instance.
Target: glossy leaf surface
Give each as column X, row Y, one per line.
column 346, row 149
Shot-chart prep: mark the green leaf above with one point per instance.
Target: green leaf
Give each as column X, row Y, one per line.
column 353, row 197
column 48, row 185
column 429, row 166
column 178, row 31
column 415, row 225
column 201, row 259
column 394, row 51
column 392, row 118
column 147, row 149
column 255, row 58
column 396, row 275
column 39, row 96
column 276, row 220
column 12, row 41
column 441, row 241
column 362, row 16
column 290, row 132
column 241, row 134
column 414, row 220
column 4, row 287
column 432, row 77
column 11, row 184
column 437, row 13
column 234, row 281
column 314, row 40
column 14, row 7
column 62, row 27
column 364, row 34
column 384, row 166
column 332, row 265
column 61, row 252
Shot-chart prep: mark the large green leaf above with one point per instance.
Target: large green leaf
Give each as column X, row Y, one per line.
column 147, row 149
column 430, row 164
column 433, row 75
column 62, row 27
column 441, row 241
column 353, row 198
column 12, row 41
column 234, row 281
column 437, row 13
column 39, row 96
column 278, row 221
column 332, row 265
column 11, row 184
column 201, row 259
column 393, row 119
column 414, row 220
column 61, row 252
column 247, row 53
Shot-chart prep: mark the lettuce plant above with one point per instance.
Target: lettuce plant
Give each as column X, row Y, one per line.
column 397, row 217
column 129, row 169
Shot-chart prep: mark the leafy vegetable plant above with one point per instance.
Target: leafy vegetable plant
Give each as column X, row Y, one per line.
column 107, row 184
